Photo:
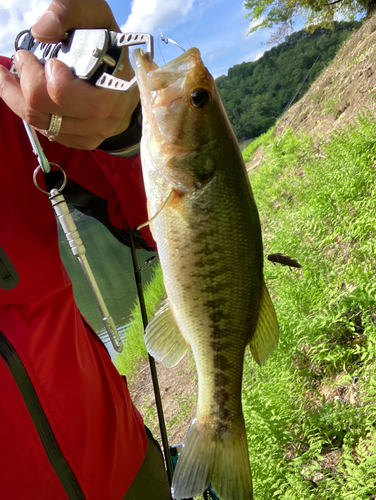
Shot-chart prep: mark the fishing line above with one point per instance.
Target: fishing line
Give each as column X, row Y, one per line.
column 159, row 47
column 173, row 5
column 289, row 104
column 167, row 40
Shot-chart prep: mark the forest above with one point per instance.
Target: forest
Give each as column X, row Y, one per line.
column 255, row 94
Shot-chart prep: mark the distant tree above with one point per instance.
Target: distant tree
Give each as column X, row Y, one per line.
column 282, row 14
column 256, row 93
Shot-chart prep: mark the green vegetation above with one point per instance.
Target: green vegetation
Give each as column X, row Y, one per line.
column 256, row 93
column 282, row 14
column 134, row 346
column 311, row 410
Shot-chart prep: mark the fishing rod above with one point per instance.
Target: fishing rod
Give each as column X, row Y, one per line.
column 153, row 369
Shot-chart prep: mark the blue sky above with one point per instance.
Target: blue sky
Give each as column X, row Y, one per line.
column 217, row 27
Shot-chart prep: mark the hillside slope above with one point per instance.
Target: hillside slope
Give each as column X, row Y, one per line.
column 256, row 93
column 347, row 87
column 311, row 410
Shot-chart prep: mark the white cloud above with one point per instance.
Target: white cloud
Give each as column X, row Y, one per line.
column 15, row 16
column 254, row 55
column 152, row 15
column 251, row 25
column 215, row 53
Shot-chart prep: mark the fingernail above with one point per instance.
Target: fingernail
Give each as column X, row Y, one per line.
column 48, row 68
column 16, row 57
column 48, row 26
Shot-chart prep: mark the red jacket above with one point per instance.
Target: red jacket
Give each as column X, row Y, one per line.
column 68, row 428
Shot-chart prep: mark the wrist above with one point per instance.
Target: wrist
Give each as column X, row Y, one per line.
column 127, row 143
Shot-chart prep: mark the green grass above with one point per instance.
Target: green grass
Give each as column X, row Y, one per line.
column 134, row 347
column 262, row 140
column 317, row 206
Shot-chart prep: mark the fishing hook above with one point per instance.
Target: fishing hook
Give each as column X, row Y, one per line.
column 166, row 40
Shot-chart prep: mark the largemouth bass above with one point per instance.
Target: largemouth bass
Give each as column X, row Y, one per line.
column 208, row 233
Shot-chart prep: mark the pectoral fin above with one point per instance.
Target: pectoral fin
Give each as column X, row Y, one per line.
column 163, row 338
column 265, row 338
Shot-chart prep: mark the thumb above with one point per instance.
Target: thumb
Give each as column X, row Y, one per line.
column 64, row 15
column 48, row 28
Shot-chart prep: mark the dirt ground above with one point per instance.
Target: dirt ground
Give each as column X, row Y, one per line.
column 346, row 87
column 178, row 388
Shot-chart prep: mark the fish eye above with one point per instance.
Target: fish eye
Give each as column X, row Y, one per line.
column 199, row 98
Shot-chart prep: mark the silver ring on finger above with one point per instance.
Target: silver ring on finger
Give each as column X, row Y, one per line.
column 54, row 127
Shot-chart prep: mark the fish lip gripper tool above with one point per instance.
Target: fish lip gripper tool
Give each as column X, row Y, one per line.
column 94, row 55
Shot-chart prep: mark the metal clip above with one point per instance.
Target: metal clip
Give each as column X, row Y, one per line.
column 37, row 148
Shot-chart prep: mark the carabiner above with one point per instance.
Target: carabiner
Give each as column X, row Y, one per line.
column 37, row 148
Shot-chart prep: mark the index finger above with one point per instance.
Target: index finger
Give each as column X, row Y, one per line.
column 33, row 85
column 75, row 96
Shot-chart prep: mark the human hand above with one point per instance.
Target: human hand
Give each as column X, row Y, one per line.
column 90, row 114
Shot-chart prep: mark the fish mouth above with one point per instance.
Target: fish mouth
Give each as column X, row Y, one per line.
column 156, row 78
column 169, row 123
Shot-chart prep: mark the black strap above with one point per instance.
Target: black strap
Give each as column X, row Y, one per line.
column 90, row 204
column 44, row 430
column 8, row 274
column 129, row 137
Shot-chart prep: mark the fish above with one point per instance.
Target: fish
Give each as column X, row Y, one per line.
column 204, row 219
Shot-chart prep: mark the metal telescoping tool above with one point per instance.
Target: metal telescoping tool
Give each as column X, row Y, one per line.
column 95, row 56
column 69, row 227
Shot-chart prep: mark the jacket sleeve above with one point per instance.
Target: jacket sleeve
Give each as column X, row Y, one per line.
column 109, row 188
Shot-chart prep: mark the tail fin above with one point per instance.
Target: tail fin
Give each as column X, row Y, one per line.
column 210, row 457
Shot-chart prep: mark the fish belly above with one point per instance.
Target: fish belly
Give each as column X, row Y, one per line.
column 211, row 257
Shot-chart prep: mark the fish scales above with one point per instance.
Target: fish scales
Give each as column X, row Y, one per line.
column 209, row 241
